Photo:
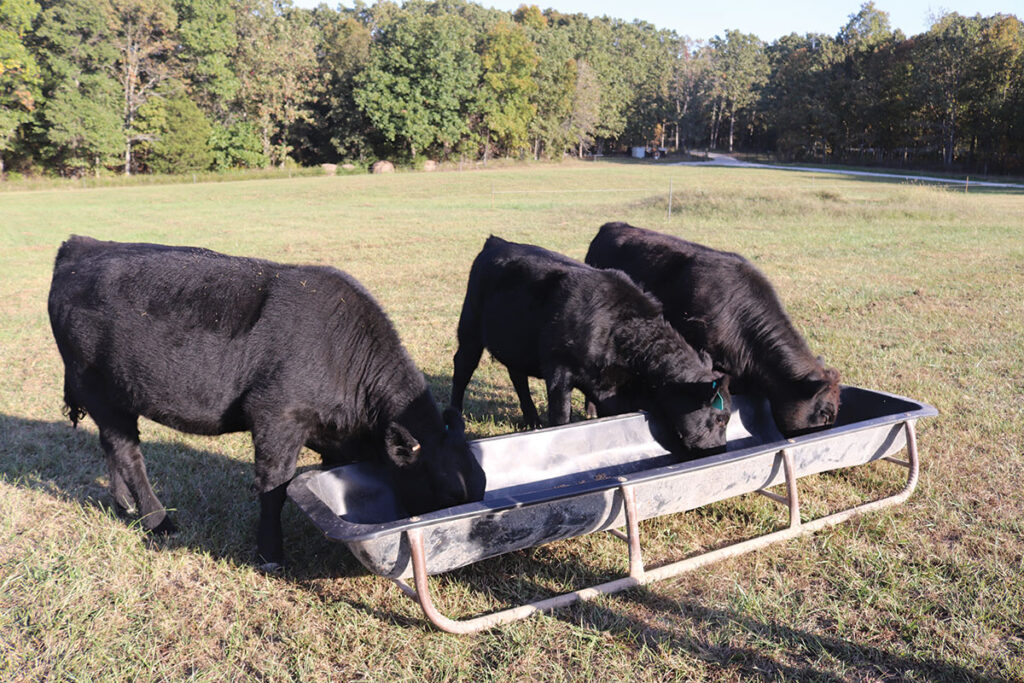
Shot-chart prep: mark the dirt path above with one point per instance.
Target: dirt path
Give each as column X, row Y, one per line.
column 719, row 159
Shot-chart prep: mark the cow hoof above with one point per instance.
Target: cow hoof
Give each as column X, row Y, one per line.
column 164, row 528
column 271, row 568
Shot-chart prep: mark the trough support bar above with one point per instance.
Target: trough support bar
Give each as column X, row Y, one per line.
column 638, row 574
column 792, row 497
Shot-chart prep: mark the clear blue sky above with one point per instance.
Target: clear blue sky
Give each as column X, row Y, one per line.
column 766, row 19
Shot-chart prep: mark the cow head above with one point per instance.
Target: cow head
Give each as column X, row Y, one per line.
column 698, row 411
column 436, row 471
column 807, row 404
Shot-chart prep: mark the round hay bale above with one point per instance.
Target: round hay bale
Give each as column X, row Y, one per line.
column 382, row 167
column 429, row 165
column 348, row 167
column 329, row 169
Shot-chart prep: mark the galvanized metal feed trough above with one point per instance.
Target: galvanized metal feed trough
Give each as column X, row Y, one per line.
column 558, row 483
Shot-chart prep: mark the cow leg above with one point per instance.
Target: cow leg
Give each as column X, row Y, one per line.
column 277, row 444
column 466, row 359
column 119, row 436
column 122, row 495
column 522, row 386
column 269, row 541
column 559, row 383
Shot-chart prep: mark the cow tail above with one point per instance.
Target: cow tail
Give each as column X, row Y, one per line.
column 72, row 409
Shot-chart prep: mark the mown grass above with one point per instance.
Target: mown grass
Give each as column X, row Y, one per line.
column 906, row 288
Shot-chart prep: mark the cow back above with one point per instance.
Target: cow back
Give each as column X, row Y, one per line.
column 194, row 339
column 717, row 299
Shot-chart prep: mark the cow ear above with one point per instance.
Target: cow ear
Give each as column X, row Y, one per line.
column 828, row 374
column 454, row 425
column 821, row 382
column 402, row 447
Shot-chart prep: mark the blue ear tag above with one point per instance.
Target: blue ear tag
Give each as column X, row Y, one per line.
column 718, row 403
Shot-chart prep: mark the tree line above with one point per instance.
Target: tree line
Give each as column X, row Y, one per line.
column 134, row 86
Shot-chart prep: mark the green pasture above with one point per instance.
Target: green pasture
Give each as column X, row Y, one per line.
column 909, row 288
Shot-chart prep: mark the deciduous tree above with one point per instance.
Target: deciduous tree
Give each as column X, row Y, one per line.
column 420, row 82
column 508, row 62
column 206, row 42
column 741, row 68
column 143, row 35
column 20, row 78
column 80, row 123
column 275, row 63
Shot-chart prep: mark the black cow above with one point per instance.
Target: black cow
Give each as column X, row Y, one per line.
column 723, row 304
column 544, row 315
column 208, row 344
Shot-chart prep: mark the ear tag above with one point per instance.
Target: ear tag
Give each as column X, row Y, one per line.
column 718, row 403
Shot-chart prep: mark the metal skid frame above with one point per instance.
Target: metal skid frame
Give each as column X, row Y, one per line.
column 638, row 574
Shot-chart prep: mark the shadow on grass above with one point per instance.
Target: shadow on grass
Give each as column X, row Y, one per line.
column 697, row 630
column 210, row 495
column 695, row 627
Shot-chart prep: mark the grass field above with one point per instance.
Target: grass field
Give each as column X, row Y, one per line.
column 912, row 289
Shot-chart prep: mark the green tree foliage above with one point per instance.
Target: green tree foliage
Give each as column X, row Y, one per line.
column 555, row 77
column 336, row 128
column 506, row 97
column 206, row 42
column 595, row 43
column 19, row 73
column 419, row 84
column 237, row 146
column 741, row 70
column 178, row 135
column 80, row 123
column 142, row 32
column 947, row 59
column 275, row 63
column 859, row 81
column 452, row 77
column 645, row 57
column 798, row 94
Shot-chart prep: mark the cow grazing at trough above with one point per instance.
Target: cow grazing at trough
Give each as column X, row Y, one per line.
column 208, row 344
column 722, row 304
column 544, row 315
